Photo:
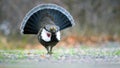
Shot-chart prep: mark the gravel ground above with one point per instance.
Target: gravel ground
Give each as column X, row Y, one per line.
column 91, row 55
column 64, row 57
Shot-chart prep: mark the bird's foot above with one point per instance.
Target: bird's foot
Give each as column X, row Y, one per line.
column 50, row 53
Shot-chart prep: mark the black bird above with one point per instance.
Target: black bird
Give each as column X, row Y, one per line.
column 46, row 21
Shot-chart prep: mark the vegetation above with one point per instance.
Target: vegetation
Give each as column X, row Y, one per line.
column 92, row 17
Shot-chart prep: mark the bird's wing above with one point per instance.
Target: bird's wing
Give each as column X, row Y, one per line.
column 34, row 19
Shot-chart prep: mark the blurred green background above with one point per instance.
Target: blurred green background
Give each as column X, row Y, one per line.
column 96, row 21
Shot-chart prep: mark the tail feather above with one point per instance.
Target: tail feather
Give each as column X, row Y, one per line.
column 34, row 20
column 65, row 25
column 29, row 32
column 30, row 28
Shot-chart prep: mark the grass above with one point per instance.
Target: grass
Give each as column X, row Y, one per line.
column 17, row 42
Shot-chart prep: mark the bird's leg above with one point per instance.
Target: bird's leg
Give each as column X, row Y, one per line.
column 51, row 49
column 47, row 48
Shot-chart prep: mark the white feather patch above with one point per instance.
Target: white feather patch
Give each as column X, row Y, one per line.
column 58, row 35
column 44, row 35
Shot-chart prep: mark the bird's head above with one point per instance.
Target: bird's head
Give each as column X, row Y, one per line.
column 52, row 28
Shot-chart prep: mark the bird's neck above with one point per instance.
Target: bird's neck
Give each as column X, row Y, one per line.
column 54, row 38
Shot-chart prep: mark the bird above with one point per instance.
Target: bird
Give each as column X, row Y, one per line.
column 46, row 22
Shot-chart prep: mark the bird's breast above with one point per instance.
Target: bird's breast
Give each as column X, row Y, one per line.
column 58, row 35
column 45, row 35
column 49, row 37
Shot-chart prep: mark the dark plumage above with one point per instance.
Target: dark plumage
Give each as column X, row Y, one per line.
column 46, row 21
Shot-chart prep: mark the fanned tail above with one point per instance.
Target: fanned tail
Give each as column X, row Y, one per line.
column 34, row 20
